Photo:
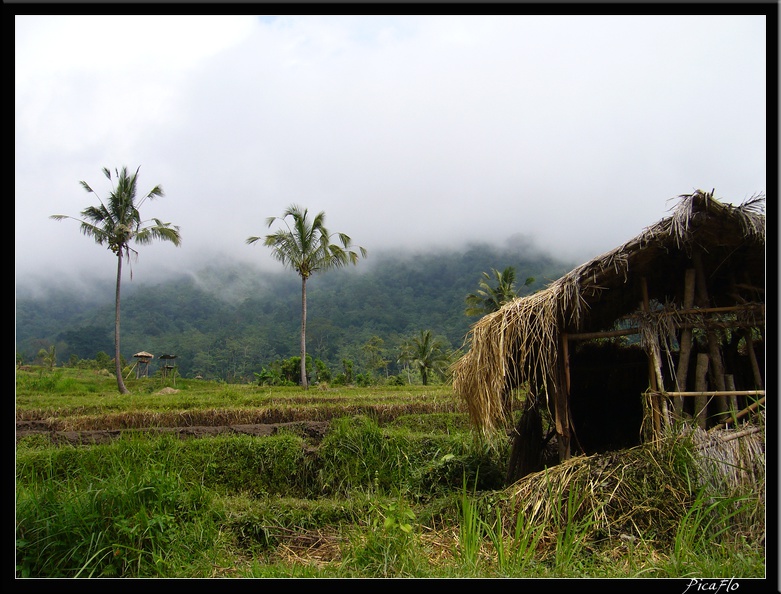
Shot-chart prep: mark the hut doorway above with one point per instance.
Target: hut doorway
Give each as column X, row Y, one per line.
column 607, row 383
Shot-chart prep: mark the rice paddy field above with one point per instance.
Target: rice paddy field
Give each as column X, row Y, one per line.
column 212, row 480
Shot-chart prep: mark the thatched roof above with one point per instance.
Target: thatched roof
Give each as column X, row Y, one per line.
column 144, row 355
column 521, row 341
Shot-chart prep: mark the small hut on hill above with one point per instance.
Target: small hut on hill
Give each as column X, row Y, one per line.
column 142, row 363
column 664, row 330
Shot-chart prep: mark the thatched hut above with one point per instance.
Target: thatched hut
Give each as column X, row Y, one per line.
column 663, row 331
column 142, row 363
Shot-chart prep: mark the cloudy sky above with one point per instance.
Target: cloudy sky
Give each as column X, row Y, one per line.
column 408, row 131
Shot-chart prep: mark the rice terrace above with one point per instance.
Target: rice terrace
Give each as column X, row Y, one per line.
column 610, row 426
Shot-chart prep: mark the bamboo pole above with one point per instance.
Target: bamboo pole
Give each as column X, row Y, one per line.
column 712, row 393
column 742, row 413
column 653, row 365
column 562, row 408
column 730, row 437
column 131, row 370
column 676, row 312
column 700, row 401
column 752, row 356
column 606, row 334
column 716, row 362
column 749, row 431
column 732, row 399
column 565, row 349
column 725, row 309
column 686, row 342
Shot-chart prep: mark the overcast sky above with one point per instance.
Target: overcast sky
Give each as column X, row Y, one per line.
column 576, row 131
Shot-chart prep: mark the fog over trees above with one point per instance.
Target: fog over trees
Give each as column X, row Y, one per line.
column 232, row 321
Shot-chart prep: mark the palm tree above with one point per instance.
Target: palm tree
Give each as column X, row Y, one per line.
column 427, row 354
column 306, row 248
column 489, row 299
column 118, row 222
column 405, row 357
column 373, row 349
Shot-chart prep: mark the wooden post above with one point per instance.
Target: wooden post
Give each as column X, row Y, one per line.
column 561, row 400
column 701, row 384
column 753, row 358
column 653, row 369
column 685, row 347
column 729, row 382
column 565, row 348
column 716, row 363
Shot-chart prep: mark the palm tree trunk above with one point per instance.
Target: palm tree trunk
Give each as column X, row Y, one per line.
column 303, row 333
column 117, row 359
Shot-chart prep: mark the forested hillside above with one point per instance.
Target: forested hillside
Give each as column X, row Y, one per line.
column 232, row 322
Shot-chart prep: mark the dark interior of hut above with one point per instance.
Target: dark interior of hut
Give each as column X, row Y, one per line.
column 607, row 383
column 608, row 379
column 738, row 365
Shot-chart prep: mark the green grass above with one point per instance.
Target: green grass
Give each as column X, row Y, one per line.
column 398, row 487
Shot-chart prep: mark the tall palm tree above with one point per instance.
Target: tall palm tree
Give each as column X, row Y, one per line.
column 117, row 222
column 305, row 246
column 489, row 299
column 427, row 354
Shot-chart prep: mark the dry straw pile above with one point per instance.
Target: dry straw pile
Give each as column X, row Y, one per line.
column 643, row 493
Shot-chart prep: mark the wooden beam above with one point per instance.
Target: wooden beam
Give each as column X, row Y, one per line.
column 742, row 413
column 750, row 287
column 628, row 331
column 725, row 309
column 730, row 437
column 607, row 334
column 708, row 393
column 652, row 368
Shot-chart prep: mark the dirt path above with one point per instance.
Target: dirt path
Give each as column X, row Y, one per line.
column 312, row 431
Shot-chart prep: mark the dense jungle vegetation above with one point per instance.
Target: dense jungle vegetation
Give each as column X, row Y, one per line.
column 230, row 323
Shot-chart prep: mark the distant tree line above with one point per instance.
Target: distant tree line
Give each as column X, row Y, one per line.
column 360, row 320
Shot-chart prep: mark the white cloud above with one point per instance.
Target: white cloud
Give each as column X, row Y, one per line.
column 405, row 130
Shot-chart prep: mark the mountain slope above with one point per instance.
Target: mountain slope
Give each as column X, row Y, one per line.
column 229, row 322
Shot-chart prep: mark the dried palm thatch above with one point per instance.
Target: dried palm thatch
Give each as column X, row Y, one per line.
column 522, row 341
column 730, row 459
column 643, row 492
column 509, row 347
